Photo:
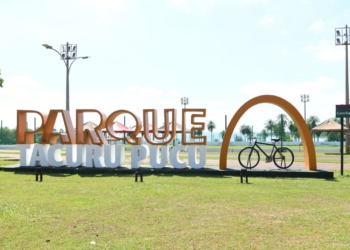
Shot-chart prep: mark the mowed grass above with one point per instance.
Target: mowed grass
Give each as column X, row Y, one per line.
column 173, row 212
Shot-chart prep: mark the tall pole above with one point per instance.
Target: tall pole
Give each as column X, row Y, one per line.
column 68, row 52
column 67, row 78
column 1, row 133
column 184, row 101
column 305, row 99
column 342, row 38
column 346, row 87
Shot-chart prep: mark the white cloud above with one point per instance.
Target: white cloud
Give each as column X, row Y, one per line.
column 317, row 26
column 267, row 20
column 327, row 51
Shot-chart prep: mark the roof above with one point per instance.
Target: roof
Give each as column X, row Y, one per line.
column 142, row 128
column 88, row 125
column 118, row 128
column 328, row 126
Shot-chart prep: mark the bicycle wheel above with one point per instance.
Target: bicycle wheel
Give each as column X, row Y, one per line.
column 283, row 158
column 249, row 157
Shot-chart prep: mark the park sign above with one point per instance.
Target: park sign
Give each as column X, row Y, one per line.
column 89, row 147
column 342, row 111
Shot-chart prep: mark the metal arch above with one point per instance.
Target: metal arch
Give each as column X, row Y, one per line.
column 305, row 135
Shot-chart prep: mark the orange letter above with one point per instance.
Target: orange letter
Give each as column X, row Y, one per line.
column 201, row 126
column 23, row 136
column 50, row 137
column 90, row 136
column 132, row 139
column 155, row 126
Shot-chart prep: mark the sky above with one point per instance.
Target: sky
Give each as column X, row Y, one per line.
column 148, row 54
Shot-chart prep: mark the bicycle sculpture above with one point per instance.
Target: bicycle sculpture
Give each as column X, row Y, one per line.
column 282, row 157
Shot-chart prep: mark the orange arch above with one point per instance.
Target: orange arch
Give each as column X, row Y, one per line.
column 305, row 135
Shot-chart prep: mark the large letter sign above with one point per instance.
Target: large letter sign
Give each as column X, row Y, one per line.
column 89, row 147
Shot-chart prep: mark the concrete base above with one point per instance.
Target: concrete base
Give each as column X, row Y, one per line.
column 147, row 170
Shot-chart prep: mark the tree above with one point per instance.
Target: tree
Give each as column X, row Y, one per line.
column 311, row 123
column 269, row 125
column 263, row 134
column 237, row 137
column 198, row 132
column 281, row 122
column 246, row 131
column 8, row 136
column 1, row 80
column 211, row 126
column 222, row 134
column 334, row 136
column 293, row 129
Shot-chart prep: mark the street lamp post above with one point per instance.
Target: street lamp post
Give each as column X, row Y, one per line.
column 342, row 36
column 68, row 52
column 305, row 99
column 184, row 101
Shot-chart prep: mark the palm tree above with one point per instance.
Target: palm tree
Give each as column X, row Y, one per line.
column 312, row 122
column 211, row 126
column 222, row 134
column 281, row 122
column 1, row 80
column 263, row 134
column 198, row 132
column 292, row 128
column 246, row 131
column 269, row 125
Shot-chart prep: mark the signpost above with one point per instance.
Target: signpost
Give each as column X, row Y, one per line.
column 342, row 111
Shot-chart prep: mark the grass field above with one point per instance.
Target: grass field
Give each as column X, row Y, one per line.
column 173, row 212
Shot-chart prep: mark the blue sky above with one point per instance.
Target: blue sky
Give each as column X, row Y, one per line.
column 149, row 54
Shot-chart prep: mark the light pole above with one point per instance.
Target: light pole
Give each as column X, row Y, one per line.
column 342, row 36
column 305, row 99
column 68, row 52
column 184, row 101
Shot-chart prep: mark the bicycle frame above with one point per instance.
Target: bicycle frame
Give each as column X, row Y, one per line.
column 256, row 143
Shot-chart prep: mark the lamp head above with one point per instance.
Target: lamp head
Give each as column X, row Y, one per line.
column 47, row 46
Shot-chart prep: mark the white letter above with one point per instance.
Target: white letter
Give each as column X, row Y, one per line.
column 154, row 157
column 39, row 155
column 192, row 156
column 174, row 156
column 75, row 155
column 25, row 153
column 54, row 155
column 138, row 153
column 94, row 156
column 114, row 155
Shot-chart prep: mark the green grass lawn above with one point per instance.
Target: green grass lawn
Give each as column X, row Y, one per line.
column 173, row 212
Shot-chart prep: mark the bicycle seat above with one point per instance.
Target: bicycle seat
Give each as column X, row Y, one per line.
column 275, row 140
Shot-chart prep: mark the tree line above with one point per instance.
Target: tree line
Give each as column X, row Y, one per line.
column 278, row 128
